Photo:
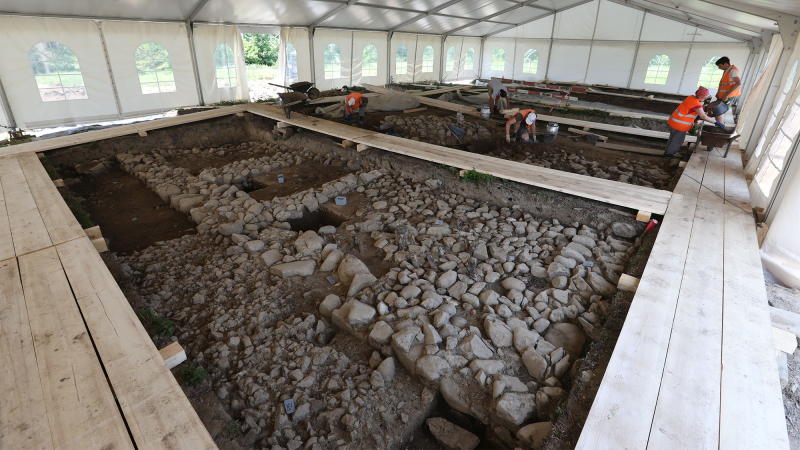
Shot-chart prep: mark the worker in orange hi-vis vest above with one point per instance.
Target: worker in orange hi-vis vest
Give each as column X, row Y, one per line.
column 729, row 88
column 683, row 118
column 352, row 103
column 526, row 116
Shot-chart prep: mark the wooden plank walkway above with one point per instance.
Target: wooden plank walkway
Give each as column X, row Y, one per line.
column 694, row 366
column 64, row 326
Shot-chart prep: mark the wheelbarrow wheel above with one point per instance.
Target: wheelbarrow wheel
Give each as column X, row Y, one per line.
column 313, row 93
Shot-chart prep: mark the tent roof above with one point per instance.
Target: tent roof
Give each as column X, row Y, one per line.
column 742, row 19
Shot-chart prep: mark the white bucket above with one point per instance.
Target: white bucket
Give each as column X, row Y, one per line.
column 486, row 111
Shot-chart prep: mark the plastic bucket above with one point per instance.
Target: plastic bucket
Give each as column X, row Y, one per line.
column 486, row 112
column 719, row 110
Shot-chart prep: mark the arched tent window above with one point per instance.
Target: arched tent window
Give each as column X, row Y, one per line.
column 333, row 62
column 401, row 61
column 225, row 63
column 427, row 59
column 369, row 61
column 498, row 59
column 469, row 59
column 451, row 59
column 530, row 62
column 657, row 70
column 291, row 64
column 57, row 72
column 710, row 74
column 155, row 69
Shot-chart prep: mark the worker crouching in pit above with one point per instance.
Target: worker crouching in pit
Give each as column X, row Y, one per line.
column 352, row 103
column 514, row 125
column 683, row 118
column 498, row 96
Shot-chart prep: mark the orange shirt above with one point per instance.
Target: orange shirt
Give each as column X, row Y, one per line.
column 726, row 83
column 358, row 100
column 682, row 119
column 524, row 114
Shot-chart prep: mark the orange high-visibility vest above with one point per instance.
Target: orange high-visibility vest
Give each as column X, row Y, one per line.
column 524, row 113
column 726, row 83
column 358, row 98
column 682, row 119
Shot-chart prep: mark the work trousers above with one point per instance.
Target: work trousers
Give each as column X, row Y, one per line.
column 675, row 140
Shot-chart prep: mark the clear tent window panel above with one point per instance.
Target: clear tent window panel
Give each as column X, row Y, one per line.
column 469, row 59
column 369, row 61
column 291, row 64
column 333, row 62
column 530, row 63
column 450, row 62
column 657, row 70
column 401, row 60
column 57, row 72
column 427, row 60
column 498, row 59
column 155, row 69
column 225, row 64
column 710, row 74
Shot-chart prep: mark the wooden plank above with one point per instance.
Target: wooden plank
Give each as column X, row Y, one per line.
column 28, row 231
column 713, row 189
column 328, row 127
column 23, row 414
column 785, row 341
column 348, row 144
column 158, row 413
column 445, row 90
column 751, row 414
column 81, row 410
column 58, row 183
column 687, row 412
column 785, row 320
column 123, row 130
column 630, row 196
column 361, row 147
column 470, row 111
column 173, row 355
column 643, row 216
column 409, row 111
column 142, row 133
column 6, row 242
column 736, row 191
column 577, row 131
column 340, row 98
column 630, row 148
column 93, row 232
column 692, row 176
column 61, row 224
column 649, row 97
column 99, row 244
column 622, row 412
column 627, row 283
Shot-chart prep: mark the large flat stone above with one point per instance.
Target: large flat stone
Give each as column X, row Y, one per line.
column 294, row 268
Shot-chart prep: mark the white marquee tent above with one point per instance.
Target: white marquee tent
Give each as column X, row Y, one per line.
column 114, row 56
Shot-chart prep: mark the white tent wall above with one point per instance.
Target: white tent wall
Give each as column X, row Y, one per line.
column 298, row 38
column 542, row 48
column 410, row 42
column 361, row 40
column 18, row 35
column 754, row 103
column 659, row 29
column 780, row 252
column 206, row 40
column 538, row 29
column 4, row 122
column 457, row 43
column 677, row 54
column 463, row 72
column 568, row 61
column 344, row 41
column 508, row 46
column 420, row 73
column 608, row 63
column 618, row 23
column 123, row 38
column 700, row 53
column 577, row 22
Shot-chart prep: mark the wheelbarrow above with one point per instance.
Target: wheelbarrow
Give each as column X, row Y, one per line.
column 305, row 87
column 716, row 137
column 293, row 101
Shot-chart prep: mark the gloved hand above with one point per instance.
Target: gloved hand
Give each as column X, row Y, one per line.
column 508, row 138
column 719, row 124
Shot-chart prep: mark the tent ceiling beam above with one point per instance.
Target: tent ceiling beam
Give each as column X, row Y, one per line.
column 426, row 14
column 200, row 5
column 744, row 8
column 692, row 15
column 338, row 9
column 505, row 11
column 739, row 36
column 415, row 11
column 537, row 18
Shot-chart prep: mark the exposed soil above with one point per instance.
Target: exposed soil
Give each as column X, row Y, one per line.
column 131, row 216
column 625, row 102
column 197, row 162
column 295, row 179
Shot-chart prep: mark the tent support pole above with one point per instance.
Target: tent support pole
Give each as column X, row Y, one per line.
column 636, row 52
column 311, row 51
column 193, row 53
column 441, row 60
column 685, row 65
column 480, row 58
column 389, row 56
column 591, row 43
column 110, row 72
column 550, row 51
column 7, row 107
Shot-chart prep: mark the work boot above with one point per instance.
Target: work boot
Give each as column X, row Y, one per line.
column 361, row 121
column 668, row 156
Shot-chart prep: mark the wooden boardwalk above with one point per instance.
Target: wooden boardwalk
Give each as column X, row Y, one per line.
column 78, row 369
column 694, row 366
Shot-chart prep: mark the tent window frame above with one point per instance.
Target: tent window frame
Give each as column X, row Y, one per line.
column 224, row 54
column 332, row 60
column 57, row 72
column 153, row 62
column 498, row 62
column 401, row 60
column 710, row 74
column 450, row 60
column 369, row 61
column 291, row 64
column 427, row 59
column 469, row 59
column 658, row 70
column 530, row 62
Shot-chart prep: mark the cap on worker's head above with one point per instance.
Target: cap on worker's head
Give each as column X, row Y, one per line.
column 530, row 119
column 702, row 92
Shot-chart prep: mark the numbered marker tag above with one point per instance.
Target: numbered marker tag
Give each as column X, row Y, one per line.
column 438, row 181
column 588, row 264
column 341, row 201
column 280, row 178
column 331, row 281
column 438, row 222
column 289, row 405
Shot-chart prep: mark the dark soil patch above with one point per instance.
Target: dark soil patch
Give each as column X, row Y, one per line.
column 632, row 103
column 115, row 198
column 310, row 174
column 195, row 163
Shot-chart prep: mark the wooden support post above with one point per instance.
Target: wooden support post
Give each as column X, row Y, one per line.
column 761, row 232
column 682, row 164
column 462, row 172
column 361, row 147
column 586, row 128
column 348, row 144
column 408, row 111
column 283, row 125
column 759, row 213
column 643, row 216
column 173, row 354
column 142, row 133
column 785, row 341
column 40, row 155
column 100, row 245
column 93, row 233
column 59, row 182
column 240, row 114
column 627, row 283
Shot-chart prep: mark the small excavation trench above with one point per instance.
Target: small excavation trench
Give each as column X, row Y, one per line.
column 264, row 339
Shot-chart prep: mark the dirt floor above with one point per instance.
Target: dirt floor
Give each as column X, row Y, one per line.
column 625, row 102
column 296, row 179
